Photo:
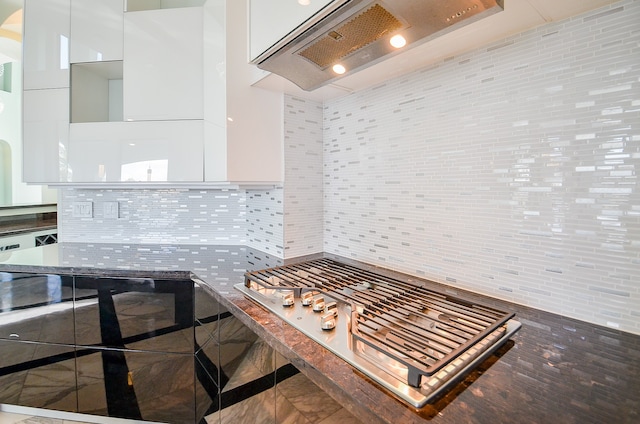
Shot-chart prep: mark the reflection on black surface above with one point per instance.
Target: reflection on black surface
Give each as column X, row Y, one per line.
column 143, row 308
column 121, row 396
column 36, row 307
column 154, row 317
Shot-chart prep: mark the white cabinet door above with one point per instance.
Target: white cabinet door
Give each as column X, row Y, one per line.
column 271, row 20
column 96, row 30
column 46, row 44
column 251, row 141
column 45, row 135
column 163, row 64
column 161, row 151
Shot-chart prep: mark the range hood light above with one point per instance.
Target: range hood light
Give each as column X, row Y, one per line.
column 398, row 41
column 339, row 69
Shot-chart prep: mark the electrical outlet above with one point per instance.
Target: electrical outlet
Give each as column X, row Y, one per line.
column 82, row 209
column 111, row 210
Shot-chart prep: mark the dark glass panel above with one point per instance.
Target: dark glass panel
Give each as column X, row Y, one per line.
column 36, row 307
column 144, row 314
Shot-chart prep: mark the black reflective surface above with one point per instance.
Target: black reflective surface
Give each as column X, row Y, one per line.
column 119, row 347
column 36, row 307
column 38, row 375
column 127, row 313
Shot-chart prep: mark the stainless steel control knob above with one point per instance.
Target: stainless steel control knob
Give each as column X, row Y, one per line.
column 318, row 304
column 288, row 298
column 306, row 298
column 328, row 321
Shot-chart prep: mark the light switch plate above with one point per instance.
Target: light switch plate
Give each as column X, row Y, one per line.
column 82, row 209
column 111, row 210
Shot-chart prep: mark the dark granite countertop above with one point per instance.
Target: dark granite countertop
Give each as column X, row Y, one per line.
column 555, row 369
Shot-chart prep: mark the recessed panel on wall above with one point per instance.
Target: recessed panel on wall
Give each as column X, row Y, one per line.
column 96, row 91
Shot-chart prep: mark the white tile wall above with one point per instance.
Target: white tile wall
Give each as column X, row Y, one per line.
column 510, row 171
column 287, row 221
column 265, row 220
column 199, row 217
column 303, row 189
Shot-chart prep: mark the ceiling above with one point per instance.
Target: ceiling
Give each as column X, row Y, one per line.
column 518, row 16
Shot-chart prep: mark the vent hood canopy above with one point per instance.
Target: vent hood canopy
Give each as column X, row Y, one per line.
column 355, row 34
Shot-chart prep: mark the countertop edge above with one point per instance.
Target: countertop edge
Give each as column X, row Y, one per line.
column 273, row 330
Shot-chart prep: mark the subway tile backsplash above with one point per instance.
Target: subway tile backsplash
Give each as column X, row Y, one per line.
column 510, row 170
column 156, row 216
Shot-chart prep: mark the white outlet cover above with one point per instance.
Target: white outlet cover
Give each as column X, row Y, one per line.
column 82, row 209
column 111, row 210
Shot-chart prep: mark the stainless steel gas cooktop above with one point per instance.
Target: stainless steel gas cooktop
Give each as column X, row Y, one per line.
column 413, row 341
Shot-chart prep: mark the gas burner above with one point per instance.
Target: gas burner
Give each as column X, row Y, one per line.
column 413, row 341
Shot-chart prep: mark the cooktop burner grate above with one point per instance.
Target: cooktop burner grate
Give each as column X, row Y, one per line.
column 418, row 327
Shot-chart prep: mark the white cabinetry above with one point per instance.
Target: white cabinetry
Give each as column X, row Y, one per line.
column 244, row 140
column 46, row 44
column 144, row 151
column 163, row 64
column 271, row 20
column 177, row 107
column 45, row 135
column 96, row 30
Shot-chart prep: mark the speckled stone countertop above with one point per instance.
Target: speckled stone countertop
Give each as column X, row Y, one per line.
column 555, row 369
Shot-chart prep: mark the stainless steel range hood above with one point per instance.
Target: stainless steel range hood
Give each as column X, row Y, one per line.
column 357, row 33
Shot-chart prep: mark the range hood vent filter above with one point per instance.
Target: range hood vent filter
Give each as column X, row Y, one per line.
column 360, row 31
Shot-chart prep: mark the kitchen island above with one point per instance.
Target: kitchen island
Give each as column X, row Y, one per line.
column 554, row 369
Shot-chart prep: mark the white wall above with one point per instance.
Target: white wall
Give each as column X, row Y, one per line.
column 509, row 171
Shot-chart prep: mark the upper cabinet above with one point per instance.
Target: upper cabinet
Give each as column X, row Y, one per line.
column 272, row 20
column 96, row 30
column 46, row 44
column 163, row 64
column 250, row 119
column 45, row 135
column 154, row 91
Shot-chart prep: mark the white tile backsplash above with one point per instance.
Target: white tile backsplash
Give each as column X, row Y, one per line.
column 155, row 216
column 510, row 170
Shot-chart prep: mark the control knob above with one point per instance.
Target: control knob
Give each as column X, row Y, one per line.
column 328, row 319
column 288, row 298
column 306, row 298
column 318, row 304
